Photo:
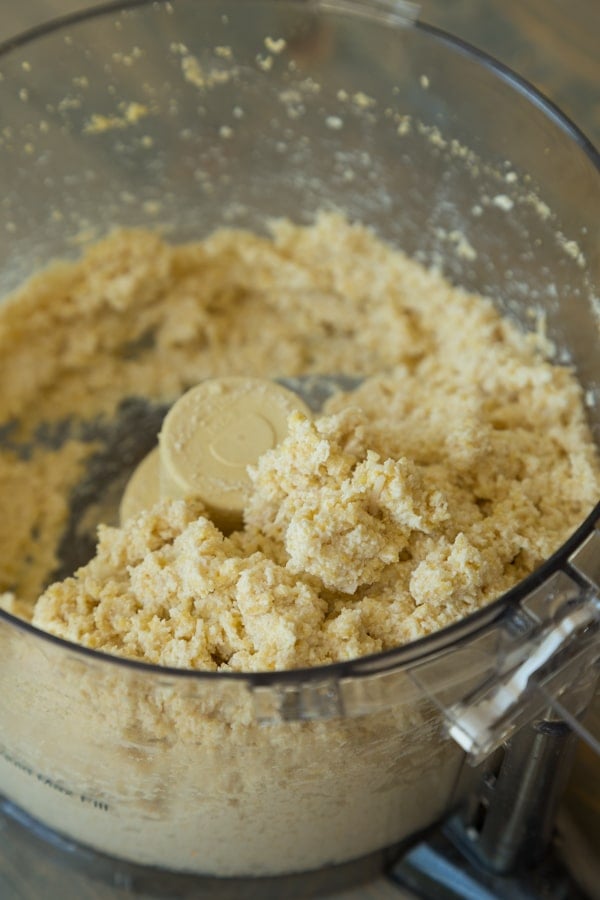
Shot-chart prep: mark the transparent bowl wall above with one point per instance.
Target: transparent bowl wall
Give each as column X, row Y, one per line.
column 403, row 129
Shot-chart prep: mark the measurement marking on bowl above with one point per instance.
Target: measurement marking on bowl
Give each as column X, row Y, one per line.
column 57, row 786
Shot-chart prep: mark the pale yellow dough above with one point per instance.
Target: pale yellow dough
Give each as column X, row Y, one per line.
column 461, row 462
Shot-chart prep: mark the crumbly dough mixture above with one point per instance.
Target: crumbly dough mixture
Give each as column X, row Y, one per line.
column 461, row 462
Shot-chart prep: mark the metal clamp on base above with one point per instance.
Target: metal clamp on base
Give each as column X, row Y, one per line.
column 437, row 870
column 500, row 846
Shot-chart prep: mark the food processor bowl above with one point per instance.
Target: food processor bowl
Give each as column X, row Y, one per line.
column 192, row 115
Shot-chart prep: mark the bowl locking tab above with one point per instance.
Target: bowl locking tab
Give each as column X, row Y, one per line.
column 540, row 655
column 520, row 722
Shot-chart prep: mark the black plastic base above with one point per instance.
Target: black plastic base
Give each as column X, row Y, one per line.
column 57, row 868
column 42, row 863
column 436, row 869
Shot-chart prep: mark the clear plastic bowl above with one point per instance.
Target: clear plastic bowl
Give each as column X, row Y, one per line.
column 140, row 117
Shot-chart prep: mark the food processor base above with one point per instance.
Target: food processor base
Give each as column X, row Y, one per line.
column 502, row 846
column 433, row 869
column 437, row 869
column 62, row 868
